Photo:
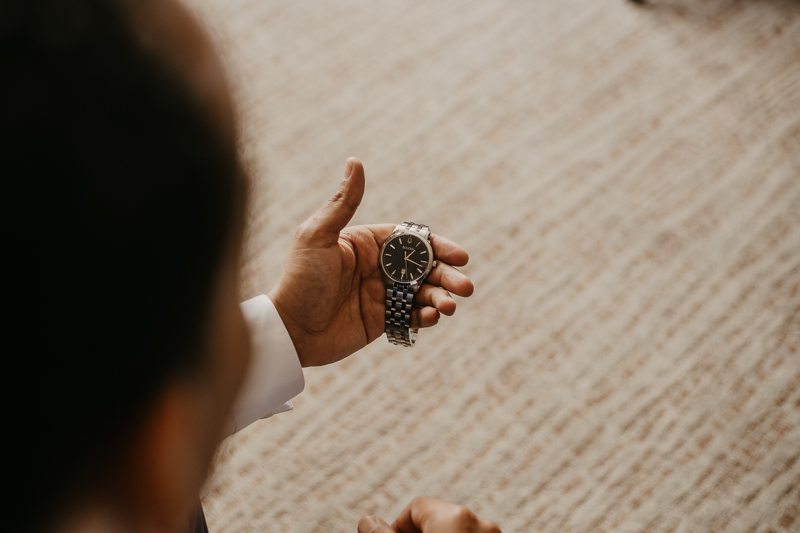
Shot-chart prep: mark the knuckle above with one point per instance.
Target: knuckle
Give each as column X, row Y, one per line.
column 465, row 517
column 338, row 196
column 304, row 231
column 341, row 197
column 308, row 233
column 419, row 501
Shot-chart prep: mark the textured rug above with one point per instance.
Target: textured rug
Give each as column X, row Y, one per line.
column 627, row 181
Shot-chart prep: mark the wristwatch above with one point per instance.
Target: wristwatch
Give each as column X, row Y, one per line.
column 406, row 260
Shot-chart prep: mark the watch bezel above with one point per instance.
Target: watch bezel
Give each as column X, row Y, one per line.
column 428, row 246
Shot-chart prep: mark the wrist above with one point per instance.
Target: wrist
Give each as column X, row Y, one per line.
column 296, row 333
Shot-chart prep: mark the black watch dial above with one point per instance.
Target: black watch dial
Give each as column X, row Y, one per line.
column 406, row 258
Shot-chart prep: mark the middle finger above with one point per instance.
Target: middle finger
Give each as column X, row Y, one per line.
column 450, row 279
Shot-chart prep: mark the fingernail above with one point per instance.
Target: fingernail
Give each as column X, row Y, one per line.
column 348, row 169
column 368, row 524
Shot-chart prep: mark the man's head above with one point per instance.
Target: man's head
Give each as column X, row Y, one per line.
column 124, row 199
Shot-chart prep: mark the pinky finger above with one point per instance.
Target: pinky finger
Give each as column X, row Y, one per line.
column 424, row 317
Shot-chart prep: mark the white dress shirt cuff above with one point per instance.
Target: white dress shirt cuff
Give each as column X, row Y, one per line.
column 274, row 376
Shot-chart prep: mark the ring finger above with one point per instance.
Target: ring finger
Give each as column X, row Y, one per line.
column 424, row 317
column 433, row 296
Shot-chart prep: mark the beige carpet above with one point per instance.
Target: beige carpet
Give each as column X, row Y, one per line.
column 627, row 180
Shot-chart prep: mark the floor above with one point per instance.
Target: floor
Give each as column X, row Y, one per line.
column 626, row 179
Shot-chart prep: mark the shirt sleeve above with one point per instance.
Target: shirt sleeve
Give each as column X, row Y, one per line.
column 274, row 376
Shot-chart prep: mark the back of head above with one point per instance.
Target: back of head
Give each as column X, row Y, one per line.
column 118, row 193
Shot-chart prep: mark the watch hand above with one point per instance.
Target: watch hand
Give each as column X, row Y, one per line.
column 414, row 262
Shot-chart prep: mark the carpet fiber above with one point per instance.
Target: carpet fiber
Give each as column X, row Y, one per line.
column 627, row 181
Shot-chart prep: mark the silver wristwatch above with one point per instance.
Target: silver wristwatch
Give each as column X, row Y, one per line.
column 406, row 260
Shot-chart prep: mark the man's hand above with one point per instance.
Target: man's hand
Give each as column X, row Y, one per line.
column 428, row 515
column 331, row 293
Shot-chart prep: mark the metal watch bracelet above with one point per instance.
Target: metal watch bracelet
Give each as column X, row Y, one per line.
column 400, row 297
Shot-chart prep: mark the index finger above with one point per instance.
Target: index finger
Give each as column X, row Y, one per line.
column 448, row 251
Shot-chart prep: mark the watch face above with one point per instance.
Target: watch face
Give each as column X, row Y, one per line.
column 406, row 258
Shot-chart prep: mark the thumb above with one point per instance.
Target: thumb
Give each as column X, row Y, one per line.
column 324, row 225
column 370, row 524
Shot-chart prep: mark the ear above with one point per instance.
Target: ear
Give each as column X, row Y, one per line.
column 170, row 459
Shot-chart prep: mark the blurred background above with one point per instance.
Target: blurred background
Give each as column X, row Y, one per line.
column 626, row 179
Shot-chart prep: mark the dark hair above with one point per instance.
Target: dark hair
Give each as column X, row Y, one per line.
column 119, row 193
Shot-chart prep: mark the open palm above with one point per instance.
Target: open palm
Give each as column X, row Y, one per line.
column 331, row 293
